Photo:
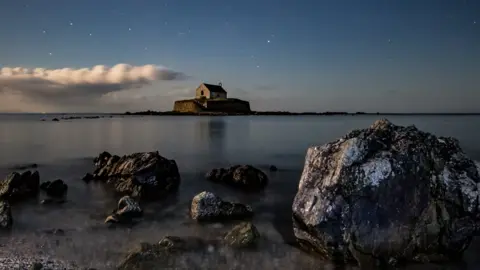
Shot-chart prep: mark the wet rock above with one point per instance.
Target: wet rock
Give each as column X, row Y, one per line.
column 243, row 235
column 387, row 193
column 20, row 186
column 6, row 219
column 141, row 175
column 127, row 210
column 163, row 254
column 55, row 120
column 88, row 177
column 242, row 176
column 207, row 206
column 56, row 188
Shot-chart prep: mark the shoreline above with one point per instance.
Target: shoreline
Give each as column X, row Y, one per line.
column 285, row 113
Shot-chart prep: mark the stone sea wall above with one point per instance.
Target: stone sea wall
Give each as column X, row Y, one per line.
column 230, row 105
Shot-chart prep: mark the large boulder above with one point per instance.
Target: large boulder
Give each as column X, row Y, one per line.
column 6, row 219
column 18, row 186
column 207, row 206
column 387, row 193
column 127, row 210
column 245, row 177
column 143, row 175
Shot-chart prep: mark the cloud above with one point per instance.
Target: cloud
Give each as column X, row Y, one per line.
column 23, row 89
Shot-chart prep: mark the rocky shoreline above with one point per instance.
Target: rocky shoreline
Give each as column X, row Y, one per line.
column 383, row 196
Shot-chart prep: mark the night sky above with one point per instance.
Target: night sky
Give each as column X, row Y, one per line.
column 315, row 55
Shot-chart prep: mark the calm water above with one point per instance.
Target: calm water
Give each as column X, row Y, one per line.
column 65, row 150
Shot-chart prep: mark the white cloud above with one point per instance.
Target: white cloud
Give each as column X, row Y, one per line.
column 23, row 89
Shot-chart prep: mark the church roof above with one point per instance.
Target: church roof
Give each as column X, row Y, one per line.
column 215, row 88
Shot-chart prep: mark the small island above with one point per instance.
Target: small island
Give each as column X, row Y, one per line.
column 210, row 98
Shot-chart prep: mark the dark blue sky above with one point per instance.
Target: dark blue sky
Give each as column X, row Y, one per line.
column 390, row 55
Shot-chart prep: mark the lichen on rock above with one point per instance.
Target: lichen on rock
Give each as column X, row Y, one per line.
column 387, row 193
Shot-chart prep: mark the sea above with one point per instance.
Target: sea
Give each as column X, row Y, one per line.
column 65, row 150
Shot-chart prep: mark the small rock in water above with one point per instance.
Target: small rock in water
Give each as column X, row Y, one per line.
column 55, row 120
column 243, row 235
column 56, row 188
column 6, row 219
column 273, row 168
column 207, row 206
column 245, row 177
column 127, row 210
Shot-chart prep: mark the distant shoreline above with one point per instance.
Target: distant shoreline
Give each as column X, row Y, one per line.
column 281, row 113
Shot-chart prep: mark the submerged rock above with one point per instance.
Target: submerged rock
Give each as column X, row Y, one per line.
column 207, row 206
column 20, row 186
column 242, row 176
column 6, row 219
column 127, row 210
column 88, row 177
column 243, row 235
column 144, row 175
column 57, row 188
column 387, row 193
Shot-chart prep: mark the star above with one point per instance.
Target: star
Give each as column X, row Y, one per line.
column 268, row 41
column 90, row 34
column 44, row 31
column 50, row 54
column 258, row 66
column 474, row 22
column 71, row 23
column 129, row 29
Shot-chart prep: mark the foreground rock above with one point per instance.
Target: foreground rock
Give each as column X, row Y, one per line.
column 387, row 192
column 243, row 235
column 128, row 209
column 163, row 254
column 143, row 175
column 6, row 219
column 56, row 188
column 242, row 176
column 20, row 186
column 207, row 206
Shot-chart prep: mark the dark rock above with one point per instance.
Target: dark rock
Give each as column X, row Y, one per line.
column 88, row 177
column 55, row 120
column 387, row 194
column 6, row 219
column 243, row 235
column 140, row 175
column 20, row 186
column 56, row 188
column 207, row 206
column 242, row 176
column 127, row 210
column 273, row 168
column 37, row 266
column 162, row 255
